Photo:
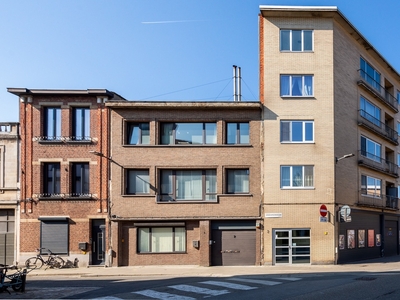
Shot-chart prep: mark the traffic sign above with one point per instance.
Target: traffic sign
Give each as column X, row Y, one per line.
column 323, row 210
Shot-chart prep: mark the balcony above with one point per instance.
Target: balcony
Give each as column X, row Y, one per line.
column 72, row 196
column 372, row 124
column 377, row 163
column 378, row 91
column 63, row 139
column 378, row 201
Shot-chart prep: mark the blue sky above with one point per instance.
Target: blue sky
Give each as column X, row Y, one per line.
column 153, row 50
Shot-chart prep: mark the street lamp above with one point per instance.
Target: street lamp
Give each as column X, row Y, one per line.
column 343, row 157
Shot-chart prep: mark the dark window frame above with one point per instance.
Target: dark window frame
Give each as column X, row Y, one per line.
column 129, row 126
column 228, row 184
column 52, row 121
column 150, row 244
column 80, row 179
column 128, row 190
column 237, row 133
column 81, row 115
column 173, row 136
column 50, row 175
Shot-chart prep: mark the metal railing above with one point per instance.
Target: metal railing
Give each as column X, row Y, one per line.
column 378, row 90
column 377, row 126
column 379, row 201
column 63, row 139
column 377, row 163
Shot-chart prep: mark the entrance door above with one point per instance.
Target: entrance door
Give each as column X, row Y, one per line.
column 291, row 246
column 390, row 240
column 7, row 236
column 98, row 242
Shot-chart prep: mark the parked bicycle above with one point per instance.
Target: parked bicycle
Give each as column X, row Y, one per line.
column 15, row 280
column 52, row 260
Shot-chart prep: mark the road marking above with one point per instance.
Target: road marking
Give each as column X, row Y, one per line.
column 258, row 281
column 162, row 296
column 107, row 298
column 288, row 278
column 229, row 285
column 199, row 290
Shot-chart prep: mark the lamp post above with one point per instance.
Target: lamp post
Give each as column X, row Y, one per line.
column 336, row 223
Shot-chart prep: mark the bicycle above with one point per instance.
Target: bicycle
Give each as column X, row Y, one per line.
column 52, row 261
column 16, row 280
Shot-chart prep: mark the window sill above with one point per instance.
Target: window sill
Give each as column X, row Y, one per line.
column 288, row 51
column 312, row 143
column 188, row 146
column 236, row 195
column 186, row 201
column 176, row 252
column 137, row 195
column 297, row 188
column 312, row 97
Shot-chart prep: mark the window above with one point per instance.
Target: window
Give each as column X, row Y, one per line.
column 398, row 97
column 138, row 133
column 137, row 182
column 296, row 40
column 238, row 181
column 297, row 85
column 370, row 75
column 81, row 124
column 188, row 185
column 297, row 131
column 297, row 176
column 51, row 179
column 370, row 112
column 188, row 133
column 398, row 128
column 52, row 123
column 237, row 133
column 370, row 149
column 370, row 186
column 54, row 234
column 80, row 179
column 161, row 239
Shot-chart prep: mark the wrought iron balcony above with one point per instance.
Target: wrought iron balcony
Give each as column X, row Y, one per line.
column 378, row 201
column 375, row 125
column 377, row 90
column 377, row 163
column 51, row 196
column 64, row 139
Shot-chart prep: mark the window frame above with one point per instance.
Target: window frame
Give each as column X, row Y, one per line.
column 142, row 243
column 239, row 132
column 52, row 123
column 303, row 131
column 55, row 190
column 376, row 117
column 128, row 188
column 364, row 191
column 141, row 133
column 81, row 120
column 290, row 85
column 369, row 155
column 375, row 80
column 291, row 41
column 231, row 172
column 84, row 185
column 173, row 185
column 172, row 133
column 291, row 178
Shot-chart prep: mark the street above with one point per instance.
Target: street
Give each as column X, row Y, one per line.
column 322, row 285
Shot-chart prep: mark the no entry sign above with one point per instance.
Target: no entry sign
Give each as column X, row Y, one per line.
column 323, row 210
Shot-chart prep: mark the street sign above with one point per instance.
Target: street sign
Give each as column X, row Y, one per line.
column 323, row 210
column 323, row 219
column 345, row 213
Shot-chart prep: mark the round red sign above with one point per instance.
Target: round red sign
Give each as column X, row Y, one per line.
column 323, row 210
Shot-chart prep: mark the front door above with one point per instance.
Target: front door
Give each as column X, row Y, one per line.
column 98, row 242
column 291, row 246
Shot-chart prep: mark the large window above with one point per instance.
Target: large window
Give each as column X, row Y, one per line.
column 237, row 181
column 52, row 123
column 51, row 179
column 188, row 185
column 161, row 239
column 370, row 75
column 297, row 86
column 237, row 133
column 371, row 186
column 138, row 133
column 297, row 131
column 137, row 182
column 296, row 40
column 80, row 179
column 81, row 123
column 297, row 176
column 370, row 112
column 370, row 149
column 188, row 133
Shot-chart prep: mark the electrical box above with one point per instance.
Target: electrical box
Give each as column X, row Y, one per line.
column 83, row 246
column 196, row 244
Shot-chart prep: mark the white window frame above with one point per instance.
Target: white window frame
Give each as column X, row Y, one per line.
column 291, row 40
column 290, row 85
column 304, row 123
column 365, row 191
column 303, row 185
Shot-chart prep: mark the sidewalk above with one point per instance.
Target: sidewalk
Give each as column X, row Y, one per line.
column 385, row 264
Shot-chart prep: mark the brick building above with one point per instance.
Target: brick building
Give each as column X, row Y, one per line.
column 9, row 191
column 64, row 187
column 185, row 183
column 328, row 95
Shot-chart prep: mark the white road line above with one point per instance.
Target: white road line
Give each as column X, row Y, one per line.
column 288, row 278
column 162, row 296
column 229, row 285
column 199, row 290
column 258, row 281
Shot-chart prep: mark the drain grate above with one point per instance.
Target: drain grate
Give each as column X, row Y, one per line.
column 366, row 278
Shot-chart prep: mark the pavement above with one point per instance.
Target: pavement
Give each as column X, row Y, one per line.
column 384, row 264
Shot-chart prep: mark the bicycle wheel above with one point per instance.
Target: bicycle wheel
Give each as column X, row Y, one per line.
column 33, row 263
column 57, row 262
column 16, row 284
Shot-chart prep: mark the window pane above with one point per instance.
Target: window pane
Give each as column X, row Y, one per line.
column 145, row 133
column 296, row 40
column 309, row 131
column 297, row 86
column 180, row 239
column 189, row 185
column 285, row 132
column 308, row 176
column 285, row 40
column 167, row 133
column 80, row 179
column 231, row 133
column 52, row 126
column 189, row 133
column 144, row 239
column 211, row 133
column 308, row 86
column 238, row 181
column 161, row 239
column 285, row 85
column 285, row 176
column 308, row 43
column 297, row 131
column 211, row 182
column 244, row 133
column 297, row 176
column 133, row 134
column 138, row 182
column 166, row 184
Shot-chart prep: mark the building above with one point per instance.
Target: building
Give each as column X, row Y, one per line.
column 9, row 191
column 331, row 120
column 185, row 183
column 64, row 187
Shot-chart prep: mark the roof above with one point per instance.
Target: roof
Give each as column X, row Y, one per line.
column 92, row 92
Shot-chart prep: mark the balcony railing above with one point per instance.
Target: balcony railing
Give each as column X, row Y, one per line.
column 377, row 90
column 378, row 201
column 75, row 196
column 375, row 125
column 64, row 139
column 378, row 163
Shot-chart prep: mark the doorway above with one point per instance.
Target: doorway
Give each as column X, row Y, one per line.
column 98, row 242
column 291, row 246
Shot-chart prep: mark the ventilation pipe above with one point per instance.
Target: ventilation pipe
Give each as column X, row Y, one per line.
column 237, row 84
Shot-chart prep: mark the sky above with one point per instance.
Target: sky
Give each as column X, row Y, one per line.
column 154, row 49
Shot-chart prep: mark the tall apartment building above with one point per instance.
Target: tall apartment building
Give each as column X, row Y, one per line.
column 64, row 187
column 9, row 191
column 328, row 94
column 185, row 183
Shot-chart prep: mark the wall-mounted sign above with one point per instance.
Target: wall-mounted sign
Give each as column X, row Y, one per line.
column 273, row 215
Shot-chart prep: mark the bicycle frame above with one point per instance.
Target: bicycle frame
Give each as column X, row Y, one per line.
column 16, row 280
